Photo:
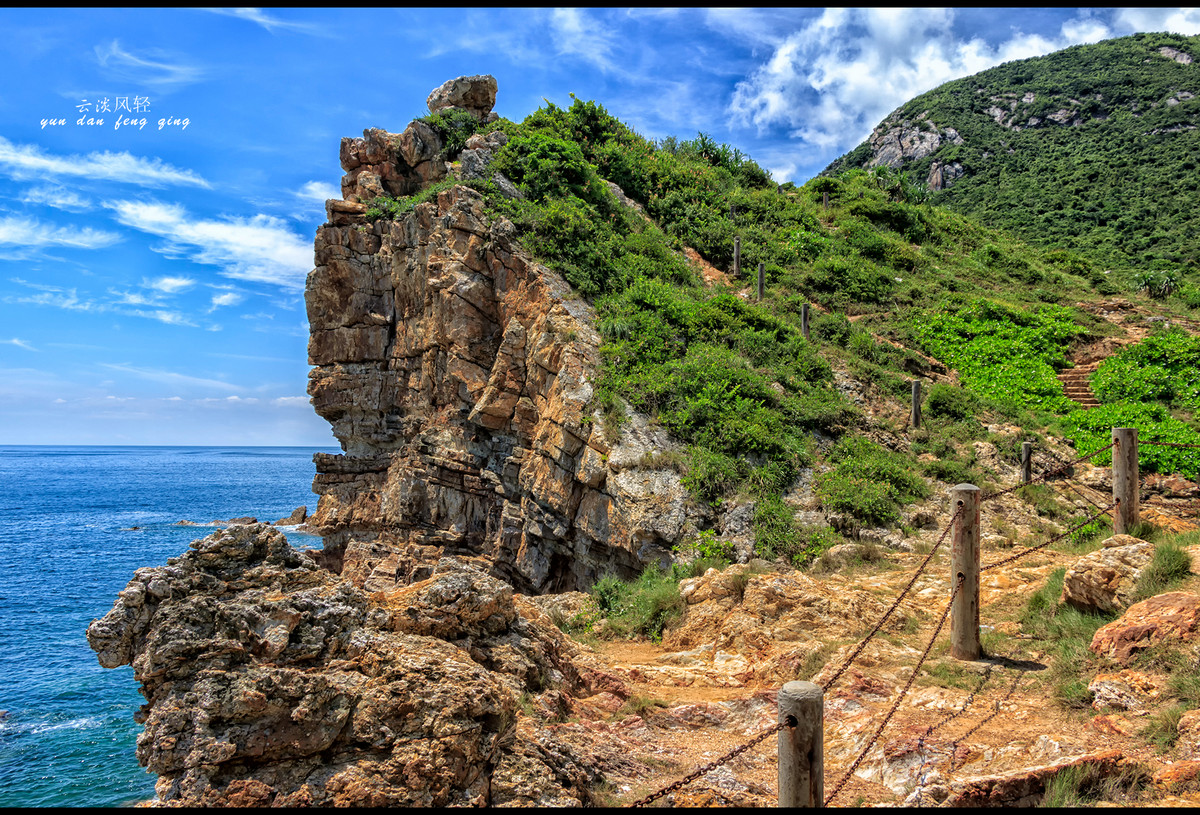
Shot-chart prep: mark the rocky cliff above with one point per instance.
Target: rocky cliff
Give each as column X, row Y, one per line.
column 457, row 373
column 270, row 681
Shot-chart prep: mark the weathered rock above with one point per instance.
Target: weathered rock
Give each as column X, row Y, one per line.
column 382, row 163
column 475, row 94
column 1025, row 787
column 1182, row 775
column 299, row 514
column 457, row 374
column 1105, row 580
column 1166, row 617
column 1188, row 744
column 271, row 681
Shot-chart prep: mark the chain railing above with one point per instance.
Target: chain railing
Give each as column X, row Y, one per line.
column 707, row 768
column 1046, row 475
column 959, row 585
column 879, row 625
column 1055, row 539
column 1169, row 444
column 899, row 698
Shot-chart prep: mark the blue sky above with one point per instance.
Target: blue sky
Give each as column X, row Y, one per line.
column 152, row 274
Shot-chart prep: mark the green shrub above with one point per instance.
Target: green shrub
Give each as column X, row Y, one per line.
column 643, row 607
column 868, row 482
column 832, row 328
column 1092, row 430
column 705, row 545
column 1008, row 356
column 455, row 127
column 948, row 402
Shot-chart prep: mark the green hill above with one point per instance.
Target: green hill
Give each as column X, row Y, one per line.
column 732, row 376
column 1091, row 149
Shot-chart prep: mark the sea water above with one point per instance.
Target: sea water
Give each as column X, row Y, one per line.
column 68, row 544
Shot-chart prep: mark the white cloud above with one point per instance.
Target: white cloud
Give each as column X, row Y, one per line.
column 55, row 296
column 830, row 82
column 57, row 197
column 172, row 378
column 319, row 191
column 291, row 401
column 226, row 299
column 19, row 343
column 1175, row 20
column 576, row 33
column 28, row 161
column 164, row 316
column 32, row 233
column 170, row 285
column 148, row 67
column 259, row 248
column 260, row 17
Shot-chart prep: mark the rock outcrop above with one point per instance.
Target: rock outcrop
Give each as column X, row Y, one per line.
column 458, row 376
column 270, row 681
column 1171, row 617
column 1105, row 580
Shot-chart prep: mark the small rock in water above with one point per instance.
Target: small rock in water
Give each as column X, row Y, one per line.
column 299, row 515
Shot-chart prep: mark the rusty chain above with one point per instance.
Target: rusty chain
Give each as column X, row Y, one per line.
column 1067, row 483
column 1055, row 539
column 1169, row 444
column 995, row 712
column 1046, row 475
column 899, row 698
column 879, row 625
column 707, row 768
column 929, row 731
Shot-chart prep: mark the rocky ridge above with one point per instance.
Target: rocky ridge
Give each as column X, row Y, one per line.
column 457, row 374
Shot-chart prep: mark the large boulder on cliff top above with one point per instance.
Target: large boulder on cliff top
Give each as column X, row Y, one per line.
column 474, row 94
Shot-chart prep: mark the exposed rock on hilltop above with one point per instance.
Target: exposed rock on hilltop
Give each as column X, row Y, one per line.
column 457, row 374
column 270, row 681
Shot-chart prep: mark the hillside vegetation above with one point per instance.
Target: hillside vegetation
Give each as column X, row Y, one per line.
column 1092, row 149
column 733, row 378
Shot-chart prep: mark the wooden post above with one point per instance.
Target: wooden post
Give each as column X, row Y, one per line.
column 964, row 561
column 916, row 403
column 761, row 280
column 737, row 257
column 1125, row 479
column 804, row 320
column 1026, row 462
column 802, row 749
column 825, row 200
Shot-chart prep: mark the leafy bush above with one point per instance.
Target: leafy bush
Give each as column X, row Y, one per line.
column 455, row 127
column 643, row 607
column 1164, row 367
column 1092, row 430
column 868, row 482
column 832, row 328
column 948, row 402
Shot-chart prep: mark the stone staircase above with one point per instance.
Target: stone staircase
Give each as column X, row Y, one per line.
column 1075, row 384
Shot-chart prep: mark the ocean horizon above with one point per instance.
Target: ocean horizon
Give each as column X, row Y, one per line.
column 76, row 521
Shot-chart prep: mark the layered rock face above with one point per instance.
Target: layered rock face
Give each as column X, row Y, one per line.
column 457, row 374
column 271, row 681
